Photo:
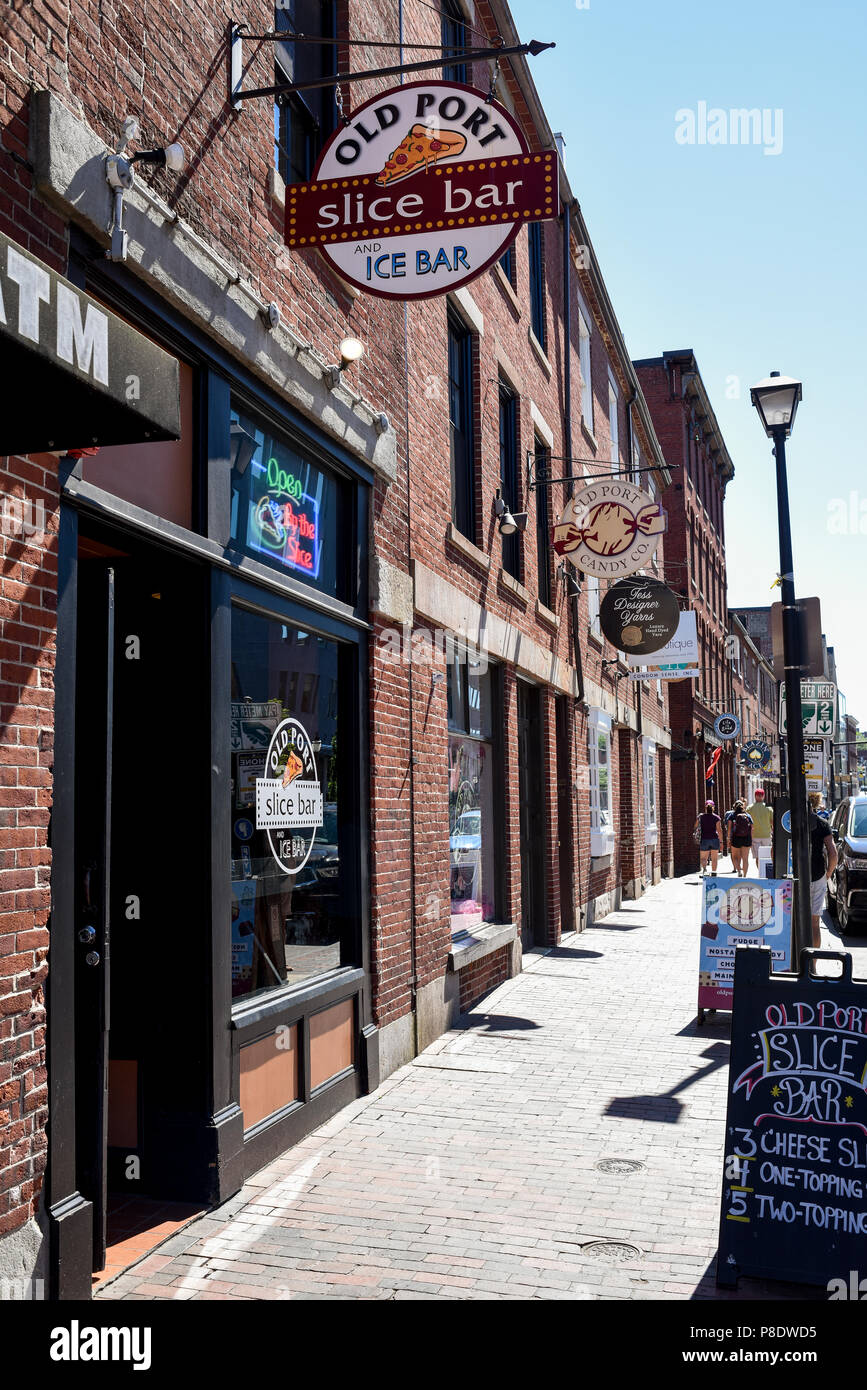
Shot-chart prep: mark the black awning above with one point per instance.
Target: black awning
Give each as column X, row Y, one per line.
column 74, row 375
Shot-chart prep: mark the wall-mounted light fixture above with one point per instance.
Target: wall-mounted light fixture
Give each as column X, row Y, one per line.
column 508, row 523
column 351, row 351
column 120, row 177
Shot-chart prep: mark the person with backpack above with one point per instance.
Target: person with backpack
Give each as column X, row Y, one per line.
column 741, row 838
column 707, row 830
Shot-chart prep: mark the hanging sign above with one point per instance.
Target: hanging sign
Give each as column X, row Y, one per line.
column 610, row 528
column 727, row 726
column 676, row 660
column 639, row 615
column 793, row 1191
column 755, row 755
column 737, row 912
column 422, row 191
column 289, row 799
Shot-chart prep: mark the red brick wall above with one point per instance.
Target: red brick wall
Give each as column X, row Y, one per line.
column 483, row 975
column 28, row 589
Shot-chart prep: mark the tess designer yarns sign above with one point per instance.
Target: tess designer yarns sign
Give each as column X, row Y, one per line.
column 426, row 187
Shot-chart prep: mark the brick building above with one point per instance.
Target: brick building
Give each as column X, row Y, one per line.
column 755, row 693
column 695, row 568
column 489, row 777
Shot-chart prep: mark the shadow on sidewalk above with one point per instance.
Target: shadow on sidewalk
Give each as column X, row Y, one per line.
column 493, row 1023
column 666, row 1109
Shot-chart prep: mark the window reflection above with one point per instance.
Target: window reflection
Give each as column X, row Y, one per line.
column 471, row 835
column 285, row 925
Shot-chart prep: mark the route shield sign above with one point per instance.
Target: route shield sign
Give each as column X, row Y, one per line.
column 818, row 708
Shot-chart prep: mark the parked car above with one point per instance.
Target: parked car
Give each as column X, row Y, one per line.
column 846, row 897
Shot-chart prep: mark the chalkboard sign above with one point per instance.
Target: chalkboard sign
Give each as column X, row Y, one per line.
column 794, row 1194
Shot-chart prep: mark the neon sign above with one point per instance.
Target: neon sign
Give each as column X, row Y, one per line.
column 284, row 521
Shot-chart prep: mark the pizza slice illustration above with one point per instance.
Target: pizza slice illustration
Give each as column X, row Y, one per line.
column 268, row 516
column 294, row 768
column 421, row 148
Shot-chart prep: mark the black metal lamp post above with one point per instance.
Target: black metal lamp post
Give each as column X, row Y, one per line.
column 777, row 399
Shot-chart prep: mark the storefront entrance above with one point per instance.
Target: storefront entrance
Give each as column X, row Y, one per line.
column 141, row 889
column 534, row 827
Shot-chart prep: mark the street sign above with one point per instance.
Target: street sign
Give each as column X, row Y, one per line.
column 796, row 1124
column 810, row 623
column 814, row 762
column 818, row 708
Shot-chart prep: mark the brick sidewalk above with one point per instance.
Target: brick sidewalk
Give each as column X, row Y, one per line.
column 472, row 1172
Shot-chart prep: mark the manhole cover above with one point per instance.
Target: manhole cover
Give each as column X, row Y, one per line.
column 613, row 1251
column 619, row 1165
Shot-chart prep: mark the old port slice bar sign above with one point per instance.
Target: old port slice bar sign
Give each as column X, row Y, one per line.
column 426, row 187
column 794, row 1190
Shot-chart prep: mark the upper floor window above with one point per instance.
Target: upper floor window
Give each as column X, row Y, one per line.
column 455, row 38
column 507, row 264
column 509, row 474
column 584, row 363
column 593, row 601
column 462, row 444
column 303, row 120
column 537, row 283
column 543, row 522
column 613, row 420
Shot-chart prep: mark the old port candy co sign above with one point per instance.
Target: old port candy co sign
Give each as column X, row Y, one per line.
column 426, row 187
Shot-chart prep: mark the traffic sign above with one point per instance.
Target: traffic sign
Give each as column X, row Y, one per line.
column 818, row 708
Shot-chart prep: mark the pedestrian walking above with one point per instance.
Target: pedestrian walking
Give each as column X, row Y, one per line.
column 823, row 862
column 763, row 823
column 740, row 838
column 708, row 830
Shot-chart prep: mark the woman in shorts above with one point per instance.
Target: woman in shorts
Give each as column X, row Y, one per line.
column 741, row 838
column 708, row 827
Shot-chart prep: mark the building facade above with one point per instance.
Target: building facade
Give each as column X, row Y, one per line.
column 695, row 568
column 219, row 540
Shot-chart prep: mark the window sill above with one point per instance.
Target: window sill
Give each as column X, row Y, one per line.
column 589, row 435
column 546, row 615
column 601, row 843
column 467, row 548
column 514, row 586
column 596, row 638
column 505, row 285
column 540, row 353
column 651, row 836
column 482, row 941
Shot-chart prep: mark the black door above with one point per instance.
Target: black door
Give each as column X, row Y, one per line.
column 94, row 720
column 142, row 831
column 564, row 818
column 534, row 829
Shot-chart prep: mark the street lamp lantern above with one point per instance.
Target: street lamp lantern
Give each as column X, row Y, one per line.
column 776, row 399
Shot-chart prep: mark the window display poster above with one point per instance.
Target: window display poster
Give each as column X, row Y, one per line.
column 737, row 912
column 243, row 920
column 250, row 766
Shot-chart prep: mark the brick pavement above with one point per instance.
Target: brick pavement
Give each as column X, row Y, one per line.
column 471, row 1173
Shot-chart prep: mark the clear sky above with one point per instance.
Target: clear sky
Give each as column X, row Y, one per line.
column 754, row 260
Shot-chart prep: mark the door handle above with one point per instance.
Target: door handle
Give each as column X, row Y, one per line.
column 92, row 958
column 87, row 935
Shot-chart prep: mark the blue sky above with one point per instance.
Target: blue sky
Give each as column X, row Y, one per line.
column 755, row 261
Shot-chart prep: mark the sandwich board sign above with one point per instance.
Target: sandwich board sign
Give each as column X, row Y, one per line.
column 795, row 1168
column 737, row 912
column 818, row 709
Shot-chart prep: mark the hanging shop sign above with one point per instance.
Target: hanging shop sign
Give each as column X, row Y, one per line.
column 755, row 755
column 425, row 188
column 677, row 660
column 727, row 726
column 609, row 528
column 740, row 912
column 792, row 1203
column 639, row 615
column 289, row 803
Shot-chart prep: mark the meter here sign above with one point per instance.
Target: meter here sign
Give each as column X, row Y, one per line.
column 818, row 708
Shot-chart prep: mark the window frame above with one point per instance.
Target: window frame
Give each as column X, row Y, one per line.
column 650, row 799
column 602, row 837
column 585, row 350
column 544, row 566
column 454, row 21
column 508, row 425
column 538, row 303
column 463, row 488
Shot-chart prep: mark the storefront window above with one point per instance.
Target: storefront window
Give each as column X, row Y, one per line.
column 471, row 800
column 286, row 511
column 288, row 892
